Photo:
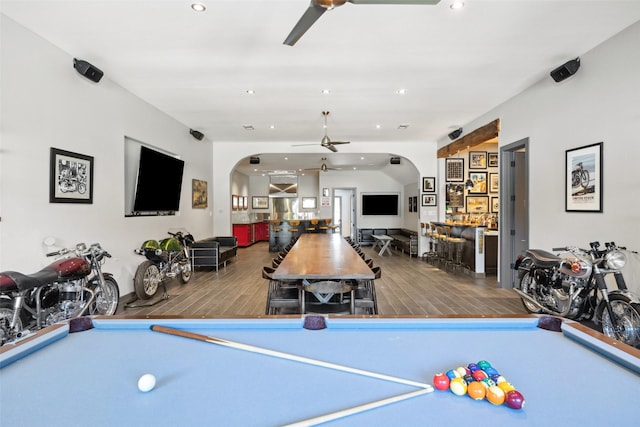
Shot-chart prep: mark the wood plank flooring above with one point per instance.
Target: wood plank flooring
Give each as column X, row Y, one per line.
column 408, row 286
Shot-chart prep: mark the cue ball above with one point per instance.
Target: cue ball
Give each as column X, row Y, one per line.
column 146, row 383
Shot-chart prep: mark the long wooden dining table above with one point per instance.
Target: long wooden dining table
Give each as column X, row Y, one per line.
column 318, row 256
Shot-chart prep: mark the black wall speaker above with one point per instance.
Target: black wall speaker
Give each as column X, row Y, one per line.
column 566, row 70
column 456, row 133
column 89, row 71
column 254, row 160
column 395, row 160
column 197, row 135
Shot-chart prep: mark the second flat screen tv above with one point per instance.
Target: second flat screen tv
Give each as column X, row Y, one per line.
column 379, row 204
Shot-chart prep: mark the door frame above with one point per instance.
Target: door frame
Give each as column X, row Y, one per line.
column 508, row 197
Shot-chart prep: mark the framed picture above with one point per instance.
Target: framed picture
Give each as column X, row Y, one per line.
column 583, row 179
column 495, row 205
column 493, row 160
column 410, row 204
column 415, row 203
column 479, row 181
column 455, row 195
column 234, row 202
column 494, row 182
column 309, row 203
column 429, row 184
column 454, row 169
column 71, row 177
column 260, row 202
column 325, row 192
column 245, row 202
column 477, row 159
column 198, row 194
column 477, row 204
column 429, row 200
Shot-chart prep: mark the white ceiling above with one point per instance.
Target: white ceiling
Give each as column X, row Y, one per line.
column 197, row 67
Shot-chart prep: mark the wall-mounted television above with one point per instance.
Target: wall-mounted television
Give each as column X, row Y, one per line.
column 159, row 182
column 379, row 204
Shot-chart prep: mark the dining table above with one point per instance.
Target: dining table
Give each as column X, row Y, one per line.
column 316, row 260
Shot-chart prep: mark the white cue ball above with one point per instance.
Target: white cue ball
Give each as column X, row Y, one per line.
column 146, row 383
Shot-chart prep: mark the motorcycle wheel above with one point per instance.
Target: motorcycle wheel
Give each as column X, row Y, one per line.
column 146, row 280
column 628, row 318
column 526, row 283
column 584, row 178
column 6, row 314
column 107, row 297
column 186, row 274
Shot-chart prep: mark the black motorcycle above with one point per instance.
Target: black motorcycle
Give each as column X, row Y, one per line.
column 572, row 285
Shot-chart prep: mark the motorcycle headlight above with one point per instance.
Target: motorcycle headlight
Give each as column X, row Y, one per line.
column 615, row 260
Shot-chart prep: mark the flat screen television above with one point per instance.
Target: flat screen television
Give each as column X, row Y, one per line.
column 159, row 182
column 379, row 204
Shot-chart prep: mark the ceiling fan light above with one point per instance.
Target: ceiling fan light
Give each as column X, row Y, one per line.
column 198, row 7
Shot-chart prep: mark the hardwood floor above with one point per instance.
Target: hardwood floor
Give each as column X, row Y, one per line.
column 408, row 286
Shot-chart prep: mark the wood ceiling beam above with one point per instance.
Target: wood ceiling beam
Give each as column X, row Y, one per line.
column 477, row 137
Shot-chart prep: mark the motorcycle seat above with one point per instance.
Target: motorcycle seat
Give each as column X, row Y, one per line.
column 543, row 258
column 15, row 281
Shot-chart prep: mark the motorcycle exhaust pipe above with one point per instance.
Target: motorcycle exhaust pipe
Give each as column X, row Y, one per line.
column 534, row 302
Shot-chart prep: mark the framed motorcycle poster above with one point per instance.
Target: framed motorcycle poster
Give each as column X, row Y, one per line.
column 583, row 179
column 71, row 177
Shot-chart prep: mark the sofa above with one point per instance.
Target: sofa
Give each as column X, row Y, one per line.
column 213, row 252
column 403, row 240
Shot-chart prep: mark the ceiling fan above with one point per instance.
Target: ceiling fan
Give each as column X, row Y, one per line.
column 326, row 142
column 318, row 7
column 323, row 167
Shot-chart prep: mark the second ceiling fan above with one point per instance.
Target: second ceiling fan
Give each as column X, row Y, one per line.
column 318, row 7
column 326, row 142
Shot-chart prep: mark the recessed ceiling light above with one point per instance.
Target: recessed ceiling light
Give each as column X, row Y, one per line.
column 251, row 91
column 457, row 5
column 401, row 91
column 325, row 91
column 378, row 126
column 198, row 7
column 272, row 126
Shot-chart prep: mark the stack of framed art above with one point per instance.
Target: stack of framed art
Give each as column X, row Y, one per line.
column 481, row 183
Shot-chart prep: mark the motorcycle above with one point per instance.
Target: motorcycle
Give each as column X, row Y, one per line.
column 572, row 285
column 72, row 286
column 167, row 258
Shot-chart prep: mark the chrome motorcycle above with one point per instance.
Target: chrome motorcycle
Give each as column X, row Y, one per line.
column 572, row 285
column 72, row 286
column 167, row 258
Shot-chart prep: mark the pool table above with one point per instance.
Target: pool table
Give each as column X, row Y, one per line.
column 57, row 378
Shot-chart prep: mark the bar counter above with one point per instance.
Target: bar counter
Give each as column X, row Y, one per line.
column 480, row 249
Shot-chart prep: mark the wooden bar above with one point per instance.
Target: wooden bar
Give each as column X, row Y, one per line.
column 317, row 256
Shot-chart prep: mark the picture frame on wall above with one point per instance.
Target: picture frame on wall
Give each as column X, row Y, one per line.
column 429, row 200
column 245, row 202
column 415, row 203
column 477, row 204
column 495, row 205
column 479, row 181
column 309, row 203
column 199, row 194
column 477, row 159
column 455, row 195
column 429, row 184
column 493, row 160
column 260, row 202
column 454, row 169
column 494, row 183
column 583, row 179
column 410, row 204
column 70, row 177
column 234, row 202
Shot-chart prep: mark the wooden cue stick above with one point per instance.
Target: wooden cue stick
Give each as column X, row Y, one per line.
column 281, row 355
column 357, row 409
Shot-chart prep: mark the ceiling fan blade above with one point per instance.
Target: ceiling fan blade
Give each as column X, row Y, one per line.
column 340, row 142
column 427, row 2
column 331, row 147
column 306, row 21
column 301, row 145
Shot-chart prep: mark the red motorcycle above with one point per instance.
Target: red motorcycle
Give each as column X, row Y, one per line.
column 70, row 287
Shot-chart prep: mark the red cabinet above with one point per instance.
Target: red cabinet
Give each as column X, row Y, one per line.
column 248, row 234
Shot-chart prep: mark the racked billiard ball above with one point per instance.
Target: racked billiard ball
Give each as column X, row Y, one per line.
column 458, row 387
column 476, row 390
column 441, row 381
column 514, row 399
column 495, row 395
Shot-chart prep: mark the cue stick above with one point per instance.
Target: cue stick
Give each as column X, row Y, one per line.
column 357, row 409
column 281, row 355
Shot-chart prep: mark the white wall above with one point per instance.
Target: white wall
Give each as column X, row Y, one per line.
column 600, row 103
column 46, row 103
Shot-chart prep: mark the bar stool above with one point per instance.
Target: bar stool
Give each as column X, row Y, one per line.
column 276, row 228
column 312, row 225
column 293, row 228
column 455, row 253
column 325, row 227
